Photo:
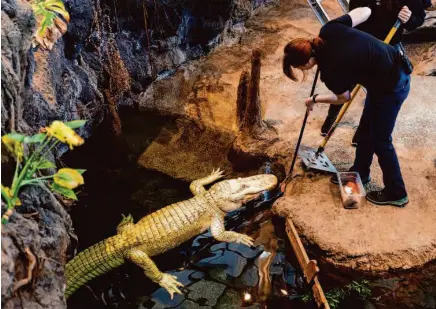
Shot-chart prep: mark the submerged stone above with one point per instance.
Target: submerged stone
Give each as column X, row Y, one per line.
column 250, row 277
column 208, row 291
column 231, row 299
column 188, row 304
column 244, row 250
column 233, row 262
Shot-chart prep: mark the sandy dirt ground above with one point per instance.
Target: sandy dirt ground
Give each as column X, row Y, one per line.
column 369, row 239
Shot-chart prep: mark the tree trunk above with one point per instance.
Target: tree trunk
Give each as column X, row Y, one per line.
column 253, row 111
column 241, row 101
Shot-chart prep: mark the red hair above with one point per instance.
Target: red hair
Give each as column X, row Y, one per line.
column 297, row 53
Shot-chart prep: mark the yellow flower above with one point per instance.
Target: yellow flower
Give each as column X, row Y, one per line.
column 13, row 146
column 15, row 201
column 68, row 178
column 64, row 134
column 7, row 191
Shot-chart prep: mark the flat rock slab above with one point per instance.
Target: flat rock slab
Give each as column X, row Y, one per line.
column 186, row 151
column 375, row 239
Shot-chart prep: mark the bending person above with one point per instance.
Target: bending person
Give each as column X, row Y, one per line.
column 345, row 57
column 384, row 14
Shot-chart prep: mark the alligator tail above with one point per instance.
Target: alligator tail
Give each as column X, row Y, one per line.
column 91, row 263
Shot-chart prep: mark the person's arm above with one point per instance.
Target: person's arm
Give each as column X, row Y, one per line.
column 359, row 15
column 352, row 19
column 412, row 15
column 331, row 98
column 339, row 82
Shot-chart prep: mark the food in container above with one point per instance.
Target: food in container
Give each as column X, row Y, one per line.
column 352, row 190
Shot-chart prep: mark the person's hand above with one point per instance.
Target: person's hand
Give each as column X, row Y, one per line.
column 404, row 14
column 309, row 103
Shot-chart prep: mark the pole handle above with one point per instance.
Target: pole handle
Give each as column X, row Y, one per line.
column 300, row 137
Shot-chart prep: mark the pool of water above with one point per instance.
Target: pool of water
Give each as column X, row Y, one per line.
column 214, row 274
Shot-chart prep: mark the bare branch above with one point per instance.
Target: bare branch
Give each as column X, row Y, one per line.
column 32, row 264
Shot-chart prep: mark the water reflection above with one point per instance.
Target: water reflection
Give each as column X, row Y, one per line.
column 269, row 241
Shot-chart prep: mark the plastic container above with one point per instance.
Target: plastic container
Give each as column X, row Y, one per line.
column 352, row 190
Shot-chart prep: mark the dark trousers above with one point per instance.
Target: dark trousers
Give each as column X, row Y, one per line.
column 376, row 126
column 334, row 109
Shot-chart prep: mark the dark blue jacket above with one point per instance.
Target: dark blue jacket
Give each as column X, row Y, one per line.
column 382, row 19
column 426, row 3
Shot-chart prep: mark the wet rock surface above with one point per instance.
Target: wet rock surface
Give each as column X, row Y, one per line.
column 206, row 292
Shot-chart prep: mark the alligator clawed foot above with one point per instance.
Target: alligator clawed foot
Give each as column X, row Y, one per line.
column 126, row 219
column 246, row 240
column 125, row 223
column 170, row 283
column 217, row 174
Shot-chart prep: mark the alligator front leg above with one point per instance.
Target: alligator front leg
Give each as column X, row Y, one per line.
column 197, row 186
column 125, row 224
column 166, row 281
column 219, row 232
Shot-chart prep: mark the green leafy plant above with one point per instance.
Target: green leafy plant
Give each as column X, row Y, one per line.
column 52, row 21
column 30, row 153
column 337, row 295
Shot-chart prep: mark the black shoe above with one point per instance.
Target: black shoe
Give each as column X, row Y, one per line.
column 334, row 180
column 382, row 198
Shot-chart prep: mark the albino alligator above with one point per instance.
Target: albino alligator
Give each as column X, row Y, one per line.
column 167, row 228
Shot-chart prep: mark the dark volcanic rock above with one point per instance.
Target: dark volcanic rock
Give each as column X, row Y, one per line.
column 17, row 27
column 43, row 226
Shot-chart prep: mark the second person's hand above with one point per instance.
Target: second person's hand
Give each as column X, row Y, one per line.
column 404, row 14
